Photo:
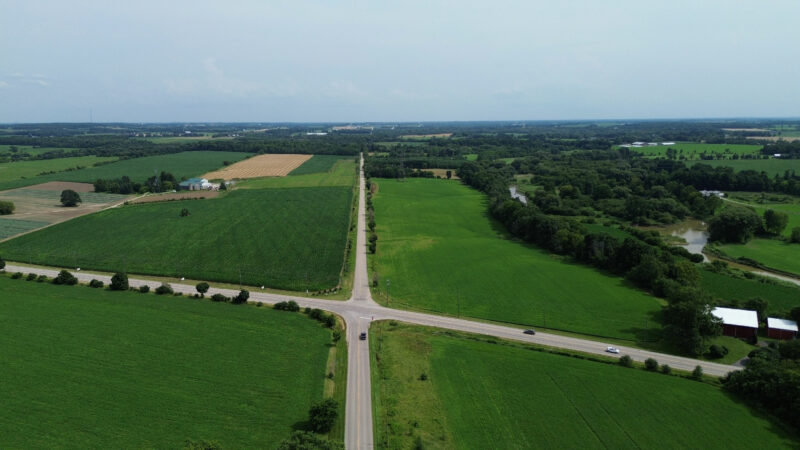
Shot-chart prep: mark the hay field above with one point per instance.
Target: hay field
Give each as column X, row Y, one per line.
column 260, row 166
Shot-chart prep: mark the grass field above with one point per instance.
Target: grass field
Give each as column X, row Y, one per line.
column 341, row 174
column 693, row 150
column 91, row 368
column 182, row 165
column 30, row 169
column 290, row 239
column 772, row 253
column 319, row 164
column 482, row 395
column 771, row 166
column 440, row 252
column 781, row 298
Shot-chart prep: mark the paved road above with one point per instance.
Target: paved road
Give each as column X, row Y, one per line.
column 360, row 310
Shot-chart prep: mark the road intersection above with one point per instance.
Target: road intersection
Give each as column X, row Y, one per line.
column 361, row 310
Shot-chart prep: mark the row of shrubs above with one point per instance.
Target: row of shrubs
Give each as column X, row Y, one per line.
column 650, row 364
column 317, row 314
column 373, row 238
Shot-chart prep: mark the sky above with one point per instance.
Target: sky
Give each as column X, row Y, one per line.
column 392, row 61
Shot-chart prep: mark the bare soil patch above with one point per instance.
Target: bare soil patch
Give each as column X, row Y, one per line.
column 188, row 195
column 776, row 138
column 745, row 130
column 63, row 185
column 260, row 166
column 426, row 136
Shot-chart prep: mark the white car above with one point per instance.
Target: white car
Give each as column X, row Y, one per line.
column 612, row 350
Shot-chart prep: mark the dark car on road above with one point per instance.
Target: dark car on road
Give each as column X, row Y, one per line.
column 363, row 336
column 531, row 332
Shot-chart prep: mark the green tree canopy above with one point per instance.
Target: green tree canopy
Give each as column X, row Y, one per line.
column 70, row 198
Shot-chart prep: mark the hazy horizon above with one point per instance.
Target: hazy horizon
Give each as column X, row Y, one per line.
column 325, row 62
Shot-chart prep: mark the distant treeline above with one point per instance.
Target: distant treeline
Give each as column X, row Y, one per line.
column 163, row 183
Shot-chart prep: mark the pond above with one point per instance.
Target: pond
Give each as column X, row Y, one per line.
column 693, row 232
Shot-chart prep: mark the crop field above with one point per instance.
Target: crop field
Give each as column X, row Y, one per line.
column 438, row 251
column 40, row 205
column 781, row 298
column 290, row 239
column 13, row 227
column 772, row 253
column 92, row 368
column 318, row 164
column 479, row 394
column 693, row 150
column 771, row 166
column 172, row 196
column 259, row 166
column 182, row 165
column 29, row 169
column 343, row 173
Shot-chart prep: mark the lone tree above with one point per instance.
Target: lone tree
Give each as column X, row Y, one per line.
column 241, row 297
column 65, row 277
column 775, row 221
column 202, row 288
column 6, row 208
column 119, row 282
column 734, row 224
column 322, row 416
column 184, row 212
column 70, row 198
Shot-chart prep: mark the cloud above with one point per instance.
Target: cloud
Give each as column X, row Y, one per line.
column 214, row 81
column 4, row 84
column 346, row 89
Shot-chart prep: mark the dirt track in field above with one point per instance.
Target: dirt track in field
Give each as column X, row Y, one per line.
column 259, row 166
column 175, row 196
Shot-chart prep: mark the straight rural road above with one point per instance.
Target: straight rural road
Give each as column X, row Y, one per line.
column 360, row 310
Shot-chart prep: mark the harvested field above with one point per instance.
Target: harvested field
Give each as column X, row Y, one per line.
column 776, row 138
column 188, row 195
column 62, row 185
column 40, row 205
column 426, row 136
column 260, row 166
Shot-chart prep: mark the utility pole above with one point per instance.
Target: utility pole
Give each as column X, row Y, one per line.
column 388, row 283
column 458, row 301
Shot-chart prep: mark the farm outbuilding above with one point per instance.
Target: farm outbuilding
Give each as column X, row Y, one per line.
column 195, row 184
column 740, row 323
column 781, row 328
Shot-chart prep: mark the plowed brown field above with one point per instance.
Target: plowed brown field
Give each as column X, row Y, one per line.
column 259, row 166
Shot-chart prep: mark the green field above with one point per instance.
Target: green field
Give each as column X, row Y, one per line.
column 30, row 169
column 693, row 150
column 772, row 253
column 781, row 298
column 771, row 166
column 319, row 164
column 439, row 251
column 282, row 238
column 182, row 165
column 342, row 173
column 91, row 368
column 484, row 395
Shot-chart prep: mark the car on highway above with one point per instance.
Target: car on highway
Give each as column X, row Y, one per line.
column 529, row 331
column 363, row 336
column 612, row 350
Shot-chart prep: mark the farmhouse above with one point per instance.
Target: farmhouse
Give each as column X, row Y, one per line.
column 195, row 184
column 740, row 323
column 781, row 328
